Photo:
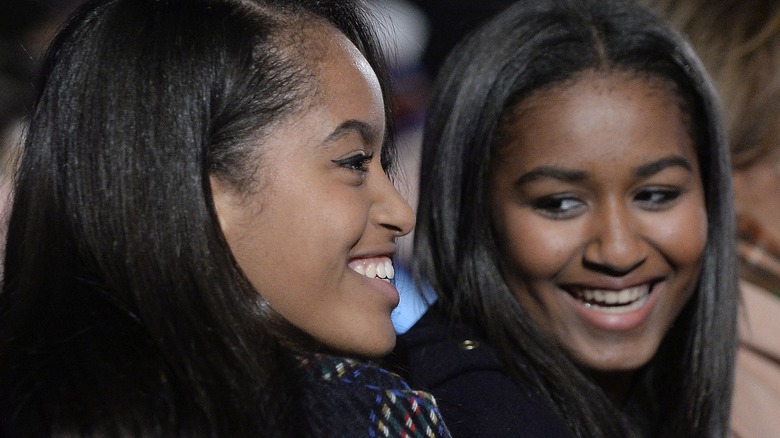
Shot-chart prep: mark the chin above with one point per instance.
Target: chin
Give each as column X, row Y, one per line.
column 367, row 348
column 619, row 364
column 613, row 359
column 377, row 350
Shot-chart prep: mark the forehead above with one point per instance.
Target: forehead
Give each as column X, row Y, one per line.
column 338, row 68
column 598, row 114
column 342, row 91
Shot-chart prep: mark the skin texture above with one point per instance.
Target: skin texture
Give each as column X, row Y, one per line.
column 319, row 205
column 599, row 188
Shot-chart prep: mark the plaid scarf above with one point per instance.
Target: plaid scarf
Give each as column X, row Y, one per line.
column 347, row 398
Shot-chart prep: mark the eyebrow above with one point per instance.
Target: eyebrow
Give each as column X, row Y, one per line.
column 363, row 129
column 651, row 169
column 568, row 175
column 551, row 172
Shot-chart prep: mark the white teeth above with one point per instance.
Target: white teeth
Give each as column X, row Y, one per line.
column 608, row 301
column 619, row 309
column 378, row 267
column 381, row 272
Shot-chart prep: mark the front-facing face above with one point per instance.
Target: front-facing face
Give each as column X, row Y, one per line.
column 316, row 235
column 599, row 210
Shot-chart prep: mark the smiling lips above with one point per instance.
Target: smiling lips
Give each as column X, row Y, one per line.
column 376, row 267
column 611, row 301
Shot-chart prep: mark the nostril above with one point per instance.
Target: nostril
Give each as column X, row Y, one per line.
column 611, row 269
column 394, row 228
column 616, row 247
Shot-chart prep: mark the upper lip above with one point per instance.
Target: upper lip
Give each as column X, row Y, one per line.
column 388, row 250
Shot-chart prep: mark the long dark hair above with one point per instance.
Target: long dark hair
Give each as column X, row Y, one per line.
column 123, row 311
column 686, row 389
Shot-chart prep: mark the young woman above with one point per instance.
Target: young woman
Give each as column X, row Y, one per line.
column 575, row 221
column 202, row 218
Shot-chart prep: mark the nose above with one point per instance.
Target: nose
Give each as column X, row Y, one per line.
column 617, row 246
column 391, row 210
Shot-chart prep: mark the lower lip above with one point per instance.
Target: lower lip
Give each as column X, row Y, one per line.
column 616, row 322
column 385, row 288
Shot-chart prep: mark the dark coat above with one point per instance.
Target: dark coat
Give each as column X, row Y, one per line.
column 474, row 394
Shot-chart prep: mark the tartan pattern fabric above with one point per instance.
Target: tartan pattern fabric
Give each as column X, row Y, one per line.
column 348, row 398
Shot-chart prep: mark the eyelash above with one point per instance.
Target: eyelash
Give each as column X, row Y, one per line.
column 358, row 162
column 667, row 196
column 555, row 207
column 552, row 206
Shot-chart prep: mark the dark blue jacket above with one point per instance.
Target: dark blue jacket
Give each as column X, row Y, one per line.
column 474, row 394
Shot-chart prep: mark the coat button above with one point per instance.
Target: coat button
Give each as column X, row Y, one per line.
column 468, row 344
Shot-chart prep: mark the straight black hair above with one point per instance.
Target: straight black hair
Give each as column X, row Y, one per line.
column 123, row 311
column 538, row 44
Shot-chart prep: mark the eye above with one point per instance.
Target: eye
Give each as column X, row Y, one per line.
column 357, row 162
column 657, row 198
column 559, row 206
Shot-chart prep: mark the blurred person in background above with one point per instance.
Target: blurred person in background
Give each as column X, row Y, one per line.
column 26, row 27
column 17, row 75
column 739, row 42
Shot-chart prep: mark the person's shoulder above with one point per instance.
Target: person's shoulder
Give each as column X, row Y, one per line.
column 475, row 394
column 757, row 374
column 758, row 320
column 432, row 352
column 347, row 397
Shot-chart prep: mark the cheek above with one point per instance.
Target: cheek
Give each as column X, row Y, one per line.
column 532, row 247
column 682, row 235
column 337, row 222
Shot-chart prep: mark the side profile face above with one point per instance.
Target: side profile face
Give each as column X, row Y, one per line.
column 599, row 209
column 317, row 234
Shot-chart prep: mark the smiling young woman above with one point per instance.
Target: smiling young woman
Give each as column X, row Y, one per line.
column 326, row 207
column 203, row 229
column 576, row 223
column 602, row 214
